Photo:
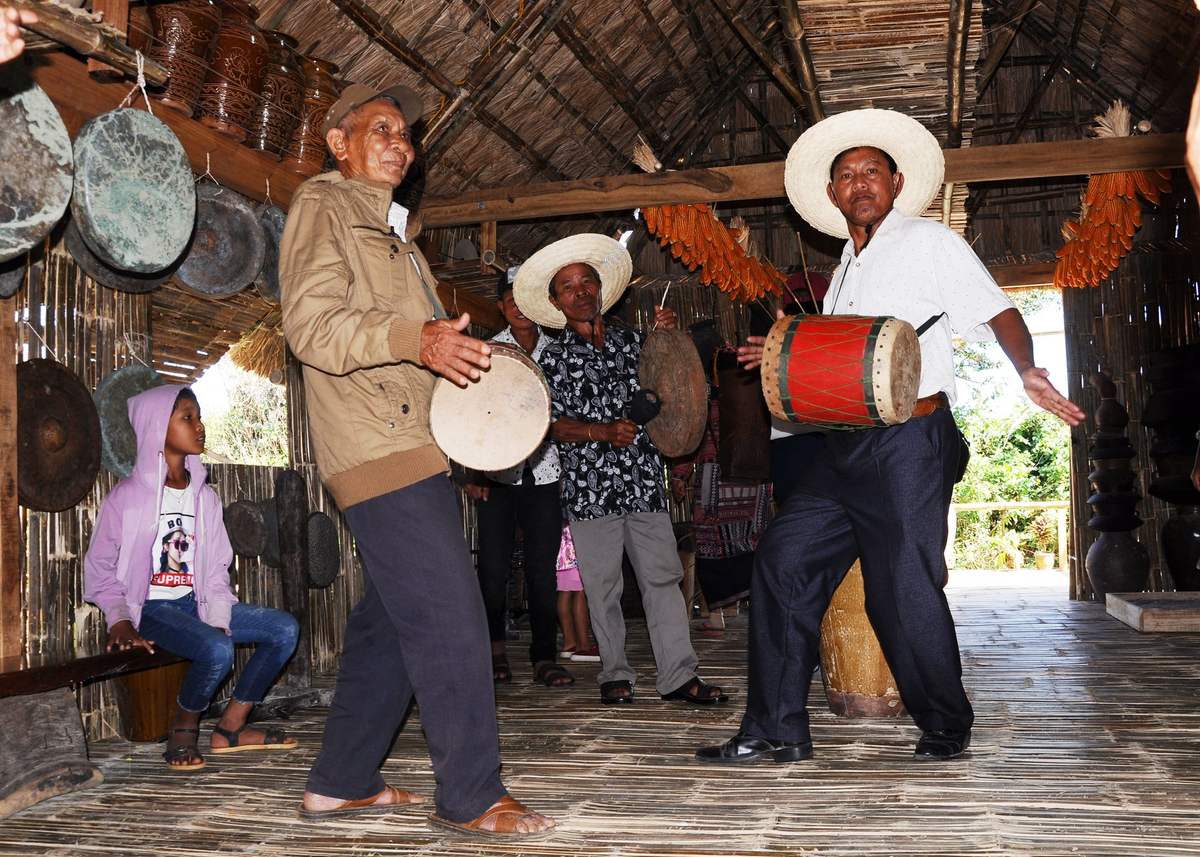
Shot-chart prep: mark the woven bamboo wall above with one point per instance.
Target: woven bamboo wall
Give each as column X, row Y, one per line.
column 1151, row 303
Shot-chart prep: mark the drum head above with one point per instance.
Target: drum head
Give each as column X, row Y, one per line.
column 94, row 267
column 246, row 527
column 896, row 370
column 134, row 199
column 58, row 437
column 118, row 443
column 35, row 184
column 498, row 421
column 324, row 551
column 671, row 367
column 227, row 250
column 272, row 220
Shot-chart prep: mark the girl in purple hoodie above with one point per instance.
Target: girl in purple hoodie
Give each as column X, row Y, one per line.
column 158, row 566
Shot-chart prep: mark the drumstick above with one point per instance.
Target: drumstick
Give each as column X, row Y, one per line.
column 663, row 302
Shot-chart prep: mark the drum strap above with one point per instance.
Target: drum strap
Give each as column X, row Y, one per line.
column 929, row 322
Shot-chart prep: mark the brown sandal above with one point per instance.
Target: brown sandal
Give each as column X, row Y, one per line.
column 400, row 800
column 508, row 814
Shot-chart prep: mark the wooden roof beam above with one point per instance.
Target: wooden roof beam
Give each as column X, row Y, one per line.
column 956, row 56
column 385, row 35
column 797, row 45
column 765, row 181
column 763, row 54
column 619, row 87
column 1000, row 47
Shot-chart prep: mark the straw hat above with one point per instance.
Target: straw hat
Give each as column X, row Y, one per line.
column 916, row 152
column 531, row 288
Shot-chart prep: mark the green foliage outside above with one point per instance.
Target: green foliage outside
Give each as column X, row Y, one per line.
column 254, row 429
column 1018, row 453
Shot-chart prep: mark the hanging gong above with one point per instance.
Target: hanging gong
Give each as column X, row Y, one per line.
column 35, row 184
column 247, row 528
column 134, row 197
column 58, row 437
column 118, row 443
column 12, row 272
column 105, row 275
column 670, row 366
column 227, row 250
column 272, row 220
column 270, row 552
column 324, row 551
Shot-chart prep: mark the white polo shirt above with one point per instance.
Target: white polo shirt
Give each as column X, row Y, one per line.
column 913, row 269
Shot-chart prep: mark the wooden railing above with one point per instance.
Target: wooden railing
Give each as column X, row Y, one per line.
column 1060, row 508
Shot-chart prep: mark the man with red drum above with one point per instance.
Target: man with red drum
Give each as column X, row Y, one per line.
column 880, row 494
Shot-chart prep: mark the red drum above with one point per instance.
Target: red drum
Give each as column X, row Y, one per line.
column 841, row 371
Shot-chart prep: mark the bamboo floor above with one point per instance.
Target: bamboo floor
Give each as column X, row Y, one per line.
column 1087, row 743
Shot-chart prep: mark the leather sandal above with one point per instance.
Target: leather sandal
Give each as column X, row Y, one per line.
column 400, row 799
column 273, row 739
column 610, row 692
column 696, row 691
column 551, row 674
column 177, row 757
column 501, row 672
column 508, row 814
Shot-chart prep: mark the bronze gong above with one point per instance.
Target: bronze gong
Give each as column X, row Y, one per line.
column 670, row 366
column 58, row 437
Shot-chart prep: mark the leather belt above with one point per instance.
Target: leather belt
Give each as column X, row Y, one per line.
column 926, row 405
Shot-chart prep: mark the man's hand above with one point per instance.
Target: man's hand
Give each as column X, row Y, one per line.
column 665, row 319
column 1192, row 141
column 619, row 434
column 750, row 354
column 479, row 493
column 11, row 43
column 1196, row 471
column 446, row 350
column 1042, row 393
column 123, row 636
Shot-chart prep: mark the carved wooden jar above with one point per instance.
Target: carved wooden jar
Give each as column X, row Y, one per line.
column 183, row 37
column 279, row 107
column 235, row 76
column 306, row 152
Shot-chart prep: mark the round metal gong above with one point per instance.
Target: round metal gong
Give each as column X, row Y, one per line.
column 324, row 551
column 134, row 199
column 272, row 220
column 228, row 247
column 105, row 275
column 670, row 366
column 247, row 528
column 58, row 437
column 35, row 182
column 118, row 443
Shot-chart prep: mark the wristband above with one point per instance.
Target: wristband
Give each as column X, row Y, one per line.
column 590, row 433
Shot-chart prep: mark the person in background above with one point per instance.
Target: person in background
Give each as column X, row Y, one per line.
column 572, row 606
column 158, row 566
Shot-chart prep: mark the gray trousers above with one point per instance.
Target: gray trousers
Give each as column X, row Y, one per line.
column 650, row 543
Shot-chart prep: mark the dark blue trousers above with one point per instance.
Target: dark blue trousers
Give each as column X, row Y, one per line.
column 418, row 631
column 882, row 496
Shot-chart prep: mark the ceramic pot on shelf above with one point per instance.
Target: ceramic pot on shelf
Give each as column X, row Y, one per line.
column 306, row 151
column 279, row 107
column 235, row 75
column 183, row 35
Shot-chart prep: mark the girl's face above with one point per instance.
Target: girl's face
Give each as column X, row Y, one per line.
column 185, row 431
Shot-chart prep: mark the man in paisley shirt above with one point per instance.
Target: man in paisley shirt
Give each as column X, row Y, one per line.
column 613, row 483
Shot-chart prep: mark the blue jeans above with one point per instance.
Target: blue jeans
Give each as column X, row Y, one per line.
column 174, row 625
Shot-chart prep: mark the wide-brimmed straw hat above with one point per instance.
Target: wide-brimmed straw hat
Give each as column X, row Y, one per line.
column 915, row 151
column 531, row 288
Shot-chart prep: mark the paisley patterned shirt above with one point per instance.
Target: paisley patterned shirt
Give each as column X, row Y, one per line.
column 596, row 385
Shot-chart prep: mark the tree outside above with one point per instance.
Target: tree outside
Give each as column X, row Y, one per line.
column 253, row 427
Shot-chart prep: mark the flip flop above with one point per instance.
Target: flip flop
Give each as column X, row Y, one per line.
column 509, row 813
column 364, row 806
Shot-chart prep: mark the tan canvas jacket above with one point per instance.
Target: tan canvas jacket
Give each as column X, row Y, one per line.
column 355, row 296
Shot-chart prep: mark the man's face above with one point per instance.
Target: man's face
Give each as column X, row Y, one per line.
column 863, row 186
column 378, row 145
column 512, row 313
column 185, row 430
column 575, row 291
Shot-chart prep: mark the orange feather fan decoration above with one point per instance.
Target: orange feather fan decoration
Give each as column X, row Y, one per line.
column 1109, row 214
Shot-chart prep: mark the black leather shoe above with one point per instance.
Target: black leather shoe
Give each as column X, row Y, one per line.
column 937, row 745
column 747, row 748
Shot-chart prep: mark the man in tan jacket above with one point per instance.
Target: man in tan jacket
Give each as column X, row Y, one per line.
column 361, row 312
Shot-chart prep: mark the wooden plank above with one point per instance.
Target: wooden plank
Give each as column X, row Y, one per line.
column 11, row 642
column 15, row 681
column 1156, row 611
column 115, row 14
column 78, row 98
column 1037, row 275
column 765, row 180
column 73, row 29
column 457, row 301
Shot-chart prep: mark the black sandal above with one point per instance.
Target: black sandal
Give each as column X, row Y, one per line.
column 552, row 675
column 610, row 692
column 697, row 692
column 186, row 754
column 501, row 672
column 273, row 739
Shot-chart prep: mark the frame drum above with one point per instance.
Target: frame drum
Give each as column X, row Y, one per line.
column 841, row 371
column 498, row 421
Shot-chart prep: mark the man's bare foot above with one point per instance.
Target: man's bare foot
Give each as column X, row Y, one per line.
column 390, row 796
column 505, row 818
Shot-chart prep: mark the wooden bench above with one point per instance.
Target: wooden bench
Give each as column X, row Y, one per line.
column 43, row 752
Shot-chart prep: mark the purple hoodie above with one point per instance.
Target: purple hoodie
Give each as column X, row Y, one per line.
column 117, row 568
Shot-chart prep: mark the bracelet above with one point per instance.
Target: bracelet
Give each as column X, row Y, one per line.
column 590, row 433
